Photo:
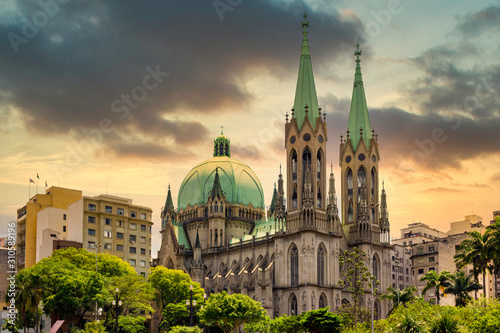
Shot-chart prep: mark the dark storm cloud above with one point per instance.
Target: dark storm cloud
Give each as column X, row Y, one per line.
column 138, row 62
column 150, row 151
column 474, row 24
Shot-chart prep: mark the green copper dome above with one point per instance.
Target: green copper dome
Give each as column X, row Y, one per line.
column 239, row 183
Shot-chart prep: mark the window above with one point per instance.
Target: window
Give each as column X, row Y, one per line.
column 321, row 266
column 108, row 209
column 143, row 240
column 143, row 251
column 108, row 234
column 394, row 276
column 293, row 305
column 150, row 229
column 143, row 227
column 108, row 246
column 107, row 221
column 64, row 217
column 143, row 216
column 133, row 250
column 133, row 238
column 420, row 260
column 322, row 301
column 92, row 207
column 431, row 249
column 91, row 245
column 119, row 235
column 119, row 223
column 120, row 211
column 132, row 262
column 91, row 232
column 411, row 243
column 119, row 247
column 64, row 228
column 143, row 274
column 404, row 243
column 133, row 214
column 143, row 263
column 91, row 219
column 432, row 269
column 431, row 259
column 420, row 250
column 420, row 271
column 294, row 266
column 133, row 226
column 149, row 240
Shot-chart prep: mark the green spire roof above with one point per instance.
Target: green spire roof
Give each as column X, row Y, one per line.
column 305, row 94
column 169, row 205
column 358, row 115
column 216, row 189
column 273, row 200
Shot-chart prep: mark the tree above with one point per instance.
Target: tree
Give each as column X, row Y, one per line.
column 437, row 281
column 132, row 324
column 320, row 321
column 398, row 297
column 172, row 287
column 174, row 315
column 229, row 312
column 476, row 250
column 494, row 235
column 356, row 276
column 446, row 323
column 185, row 329
column 289, row 324
column 461, row 285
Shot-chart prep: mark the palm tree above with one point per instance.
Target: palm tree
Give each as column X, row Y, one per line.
column 476, row 250
column 397, row 296
column 437, row 281
column 461, row 285
column 494, row 234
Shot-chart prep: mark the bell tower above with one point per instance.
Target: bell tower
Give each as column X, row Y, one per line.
column 305, row 143
column 359, row 157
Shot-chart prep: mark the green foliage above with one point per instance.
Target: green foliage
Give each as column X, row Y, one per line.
column 356, row 277
column 174, row 315
column 347, row 313
column 320, row 321
column 438, row 281
column 172, row 287
column 289, row 324
column 415, row 316
column 447, row 322
column 482, row 316
column 262, row 326
column 131, row 324
column 185, row 329
column 461, row 285
column 229, row 312
column 398, row 297
column 409, row 323
column 94, row 327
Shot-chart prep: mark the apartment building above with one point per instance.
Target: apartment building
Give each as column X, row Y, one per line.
column 64, row 217
column 116, row 226
column 42, row 219
column 401, row 267
column 417, row 233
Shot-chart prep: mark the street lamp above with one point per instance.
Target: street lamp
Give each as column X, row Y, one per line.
column 190, row 304
column 116, row 304
column 204, row 300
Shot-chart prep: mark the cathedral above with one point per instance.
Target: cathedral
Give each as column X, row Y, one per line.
column 287, row 257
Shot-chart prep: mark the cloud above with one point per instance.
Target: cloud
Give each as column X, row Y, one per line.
column 474, row 24
column 496, row 177
column 441, row 190
column 94, row 60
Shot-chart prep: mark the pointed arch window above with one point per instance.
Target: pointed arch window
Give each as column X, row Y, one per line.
column 294, row 266
column 375, row 267
column 349, row 183
column 321, row 266
column 170, row 264
column 322, row 301
column 294, row 166
column 350, row 212
column 293, row 305
column 306, row 163
column 221, row 239
column 361, row 179
column 216, row 238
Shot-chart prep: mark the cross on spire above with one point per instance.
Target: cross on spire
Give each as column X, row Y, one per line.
column 357, row 53
column 222, row 130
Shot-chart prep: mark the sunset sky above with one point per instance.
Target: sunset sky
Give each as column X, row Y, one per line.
column 431, row 72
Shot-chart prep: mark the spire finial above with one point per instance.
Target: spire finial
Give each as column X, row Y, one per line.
column 331, row 167
column 383, row 186
column 169, row 186
column 280, row 168
column 357, row 53
column 305, row 24
column 222, row 130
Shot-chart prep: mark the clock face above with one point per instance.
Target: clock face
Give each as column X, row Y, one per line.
column 348, row 159
column 361, row 157
column 292, row 139
column 307, row 137
column 374, row 159
column 320, row 139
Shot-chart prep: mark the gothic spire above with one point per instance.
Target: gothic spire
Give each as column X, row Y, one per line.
column 216, row 188
column 306, row 101
column 384, row 214
column 169, row 205
column 273, row 200
column 197, row 242
column 359, row 121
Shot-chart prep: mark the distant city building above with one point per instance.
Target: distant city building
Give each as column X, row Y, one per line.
column 65, row 218
column 469, row 223
column 401, row 267
column 418, row 233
